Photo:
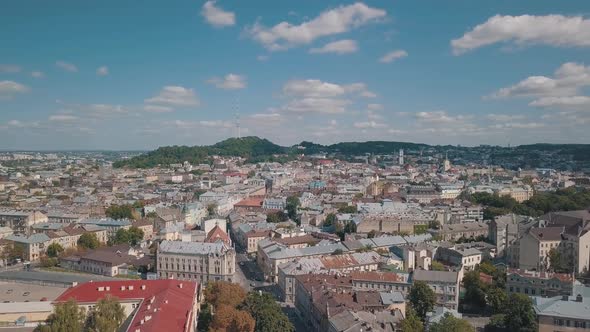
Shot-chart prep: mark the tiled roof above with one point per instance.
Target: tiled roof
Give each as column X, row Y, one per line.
column 166, row 305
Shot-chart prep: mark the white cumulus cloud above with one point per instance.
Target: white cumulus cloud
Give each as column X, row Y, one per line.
column 67, row 66
column 338, row 47
column 175, row 96
column 216, row 16
column 229, row 82
column 10, row 88
column 393, row 55
column 102, row 71
column 330, row 22
column 553, row 30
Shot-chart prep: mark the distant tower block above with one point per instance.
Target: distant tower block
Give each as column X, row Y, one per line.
column 401, row 156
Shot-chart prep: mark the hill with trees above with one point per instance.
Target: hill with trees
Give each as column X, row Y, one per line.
column 254, row 149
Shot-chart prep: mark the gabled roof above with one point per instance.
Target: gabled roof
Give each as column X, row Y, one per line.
column 217, row 234
column 165, row 305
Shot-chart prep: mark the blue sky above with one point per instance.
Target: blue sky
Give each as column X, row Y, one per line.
column 138, row 75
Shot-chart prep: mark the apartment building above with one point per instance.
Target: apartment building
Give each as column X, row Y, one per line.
column 196, row 261
column 445, row 284
column 21, row 221
column 535, row 283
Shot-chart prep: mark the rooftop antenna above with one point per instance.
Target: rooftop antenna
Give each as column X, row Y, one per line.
column 237, row 115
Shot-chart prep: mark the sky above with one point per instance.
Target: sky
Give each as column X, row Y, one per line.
column 141, row 74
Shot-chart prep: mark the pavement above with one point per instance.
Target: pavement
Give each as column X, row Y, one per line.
column 18, row 292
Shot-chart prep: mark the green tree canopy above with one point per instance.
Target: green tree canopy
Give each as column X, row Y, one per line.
column 88, row 241
column 54, row 249
column 131, row 236
column 411, row 323
column 450, row 323
column 422, row 299
column 347, row 209
column 107, row 316
column 124, row 211
column 66, row 316
column 474, row 289
column 267, row 313
column 330, row 220
column 520, row 315
column 276, row 217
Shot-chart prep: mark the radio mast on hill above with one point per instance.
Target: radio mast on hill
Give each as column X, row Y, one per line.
column 237, row 117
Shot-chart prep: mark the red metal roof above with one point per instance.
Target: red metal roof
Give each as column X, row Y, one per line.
column 165, row 305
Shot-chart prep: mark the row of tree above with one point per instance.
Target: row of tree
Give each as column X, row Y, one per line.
column 542, row 202
column 229, row 308
column 106, row 316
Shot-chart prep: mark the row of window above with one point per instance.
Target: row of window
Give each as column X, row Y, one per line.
column 571, row 323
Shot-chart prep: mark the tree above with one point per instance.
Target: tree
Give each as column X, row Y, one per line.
column 229, row 319
column 347, row 209
column 107, row 316
column 497, row 300
column 496, row 324
column 520, row 315
column 124, row 211
column 221, row 292
column 16, row 251
column 267, row 313
column 54, row 250
column 66, row 316
column 411, row 323
column 131, row 236
column 205, row 318
column 330, row 220
column 292, row 205
column 422, row 299
column 450, row 323
column 474, row 289
column 437, row 266
column 211, row 209
column 88, row 241
column 371, row 234
column 276, row 217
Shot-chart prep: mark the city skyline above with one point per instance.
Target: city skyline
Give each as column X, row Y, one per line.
column 118, row 77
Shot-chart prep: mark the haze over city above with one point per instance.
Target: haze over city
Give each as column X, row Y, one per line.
column 118, row 75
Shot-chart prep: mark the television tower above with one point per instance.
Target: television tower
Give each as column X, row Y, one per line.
column 237, row 117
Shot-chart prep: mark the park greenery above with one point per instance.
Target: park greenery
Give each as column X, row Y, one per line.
column 124, row 211
column 229, row 308
column 542, row 202
column 252, row 148
column 88, row 241
column 422, row 299
column 107, row 316
column 450, row 323
column 277, row 217
column 132, row 236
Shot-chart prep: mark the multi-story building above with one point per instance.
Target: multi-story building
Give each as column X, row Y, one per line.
column 454, row 232
column 563, row 313
column 535, row 246
column 21, row 221
column 534, row 283
column 445, row 284
column 333, row 264
column 149, row 305
column 467, row 258
column 196, row 261
column 504, row 231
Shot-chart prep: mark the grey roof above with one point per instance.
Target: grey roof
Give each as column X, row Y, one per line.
column 557, row 307
column 276, row 251
column 106, row 222
column 427, row 275
column 35, row 238
column 391, row 298
column 388, row 241
column 192, row 248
